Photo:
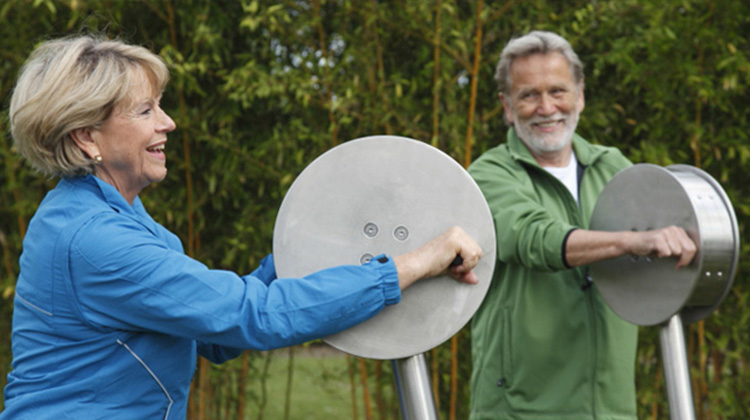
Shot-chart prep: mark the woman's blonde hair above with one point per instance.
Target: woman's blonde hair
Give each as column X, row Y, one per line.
column 73, row 83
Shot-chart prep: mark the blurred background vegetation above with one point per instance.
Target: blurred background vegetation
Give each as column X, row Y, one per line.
column 261, row 88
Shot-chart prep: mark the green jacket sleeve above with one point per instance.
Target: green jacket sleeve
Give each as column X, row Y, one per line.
column 527, row 233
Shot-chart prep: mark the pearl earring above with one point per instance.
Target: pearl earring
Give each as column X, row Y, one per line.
column 98, row 160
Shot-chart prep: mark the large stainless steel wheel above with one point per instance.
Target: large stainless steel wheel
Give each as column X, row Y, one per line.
column 386, row 194
column 648, row 291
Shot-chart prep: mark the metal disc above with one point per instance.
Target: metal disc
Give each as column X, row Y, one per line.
column 648, row 291
column 386, row 194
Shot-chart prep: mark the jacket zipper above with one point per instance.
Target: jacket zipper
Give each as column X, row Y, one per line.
column 586, row 286
column 588, row 282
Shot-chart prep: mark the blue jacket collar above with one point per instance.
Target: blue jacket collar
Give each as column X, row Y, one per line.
column 110, row 195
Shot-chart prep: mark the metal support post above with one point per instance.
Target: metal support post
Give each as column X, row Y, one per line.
column 676, row 372
column 414, row 392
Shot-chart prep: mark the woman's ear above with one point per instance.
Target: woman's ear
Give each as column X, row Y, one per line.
column 85, row 141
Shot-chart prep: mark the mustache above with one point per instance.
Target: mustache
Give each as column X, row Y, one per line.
column 549, row 118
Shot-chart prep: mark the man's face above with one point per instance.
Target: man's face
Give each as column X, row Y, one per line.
column 544, row 102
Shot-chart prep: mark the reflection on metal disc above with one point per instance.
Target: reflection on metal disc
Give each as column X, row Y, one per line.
column 648, row 291
column 386, row 194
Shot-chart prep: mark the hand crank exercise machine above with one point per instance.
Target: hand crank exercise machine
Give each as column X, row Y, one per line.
column 388, row 194
column 649, row 291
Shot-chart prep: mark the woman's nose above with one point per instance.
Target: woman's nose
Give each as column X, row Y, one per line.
column 167, row 123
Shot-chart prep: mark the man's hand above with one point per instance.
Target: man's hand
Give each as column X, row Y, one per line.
column 671, row 241
column 588, row 246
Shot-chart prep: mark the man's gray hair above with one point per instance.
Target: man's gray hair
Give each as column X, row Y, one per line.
column 535, row 42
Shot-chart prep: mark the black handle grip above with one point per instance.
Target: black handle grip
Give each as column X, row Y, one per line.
column 457, row 261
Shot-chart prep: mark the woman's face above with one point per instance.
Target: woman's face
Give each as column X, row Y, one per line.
column 132, row 140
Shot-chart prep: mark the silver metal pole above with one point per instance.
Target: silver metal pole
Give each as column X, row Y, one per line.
column 414, row 392
column 674, row 358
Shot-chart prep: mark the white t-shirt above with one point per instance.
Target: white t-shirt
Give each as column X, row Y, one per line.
column 568, row 175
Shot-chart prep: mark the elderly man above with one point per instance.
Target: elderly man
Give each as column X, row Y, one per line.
column 545, row 345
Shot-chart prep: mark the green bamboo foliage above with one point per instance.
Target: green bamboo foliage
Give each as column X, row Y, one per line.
column 261, row 88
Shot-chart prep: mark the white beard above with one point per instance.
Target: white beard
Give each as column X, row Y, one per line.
column 547, row 143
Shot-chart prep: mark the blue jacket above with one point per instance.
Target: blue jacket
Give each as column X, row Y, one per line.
column 110, row 313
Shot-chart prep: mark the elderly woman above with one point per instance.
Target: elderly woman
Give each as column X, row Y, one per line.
column 109, row 312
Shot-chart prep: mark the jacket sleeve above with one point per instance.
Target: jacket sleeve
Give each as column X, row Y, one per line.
column 266, row 272
column 527, row 234
column 123, row 277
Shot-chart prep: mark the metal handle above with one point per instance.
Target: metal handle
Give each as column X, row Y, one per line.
column 457, row 261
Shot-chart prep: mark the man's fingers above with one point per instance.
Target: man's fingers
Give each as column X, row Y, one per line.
column 673, row 241
column 688, row 249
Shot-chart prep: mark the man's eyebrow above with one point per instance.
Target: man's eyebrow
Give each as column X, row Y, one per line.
column 525, row 90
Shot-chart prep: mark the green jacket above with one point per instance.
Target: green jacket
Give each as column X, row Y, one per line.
column 545, row 346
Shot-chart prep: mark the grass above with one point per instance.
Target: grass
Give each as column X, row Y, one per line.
column 320, row 387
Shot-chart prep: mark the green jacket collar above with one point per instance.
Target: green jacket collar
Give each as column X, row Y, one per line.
column 586, row 153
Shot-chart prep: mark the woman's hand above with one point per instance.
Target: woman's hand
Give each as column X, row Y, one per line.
column 437, row 257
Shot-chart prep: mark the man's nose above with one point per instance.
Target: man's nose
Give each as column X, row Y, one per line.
column 546, row 105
